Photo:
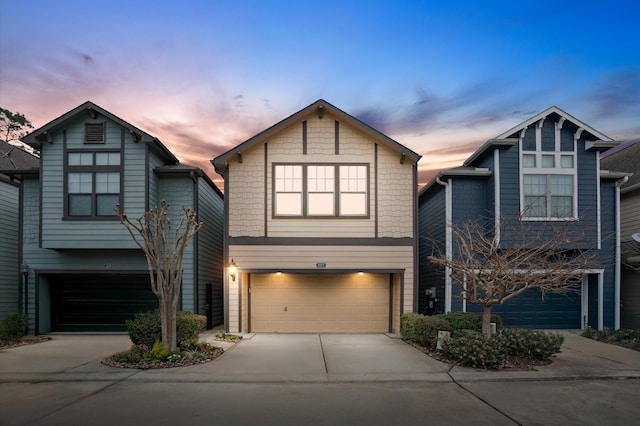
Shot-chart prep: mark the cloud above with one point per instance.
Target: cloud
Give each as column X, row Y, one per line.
column 86, row 59
column 616, row 94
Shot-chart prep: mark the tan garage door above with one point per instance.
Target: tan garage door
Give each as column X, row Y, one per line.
column 293, row 303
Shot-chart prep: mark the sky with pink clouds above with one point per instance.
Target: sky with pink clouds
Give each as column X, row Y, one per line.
column 438, row 77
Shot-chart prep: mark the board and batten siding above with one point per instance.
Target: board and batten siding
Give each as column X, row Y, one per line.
column 352, row 258
column 58, row 233
column 9, row 259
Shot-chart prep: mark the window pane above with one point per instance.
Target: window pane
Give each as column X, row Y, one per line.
column 289, row 204
column 107, row 158
column 321, row 204
column 288, row 178
column 561, row 206
column 548, row 161
column 535, row 184
column 79, row 183
column 105, row 204
column 353, row 204
column 108, row 183
column 80, row 158
column 535, row 206
column 528, row 160
column 561, row 185
column 79, row 205
column 320, row 178
column 566, row 161
column 353, row 178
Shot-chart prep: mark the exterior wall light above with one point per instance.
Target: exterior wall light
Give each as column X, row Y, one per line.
column 233, row 270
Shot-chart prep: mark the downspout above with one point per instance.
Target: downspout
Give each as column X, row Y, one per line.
column 448, row 241
column 619, row 183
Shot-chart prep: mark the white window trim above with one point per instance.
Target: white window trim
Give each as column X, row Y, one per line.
column 558, row 170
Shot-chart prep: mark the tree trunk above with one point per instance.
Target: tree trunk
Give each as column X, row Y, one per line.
column 168, row 323
column 486, row 320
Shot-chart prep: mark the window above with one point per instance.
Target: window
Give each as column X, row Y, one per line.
column 92, row 183
column 320, row 190
column 548, row 184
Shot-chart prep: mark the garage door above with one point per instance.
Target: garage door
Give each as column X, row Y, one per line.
column 292, row 303
column 98, row 302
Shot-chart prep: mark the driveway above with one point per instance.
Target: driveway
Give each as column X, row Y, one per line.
column 313, row 358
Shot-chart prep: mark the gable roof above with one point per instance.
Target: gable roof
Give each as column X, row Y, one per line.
column 14, row 158
column 318, row 107
column 625, row 160
column 597, row 140
column 38, row 136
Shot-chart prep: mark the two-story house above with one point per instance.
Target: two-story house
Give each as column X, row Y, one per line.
column 84, row 271
column 12, row 158
column 627, row 159
column 320, row 226
column 546, row 169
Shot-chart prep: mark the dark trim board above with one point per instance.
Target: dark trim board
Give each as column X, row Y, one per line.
column 291, row 241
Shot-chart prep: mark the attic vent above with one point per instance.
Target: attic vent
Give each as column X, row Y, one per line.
column 94, row 133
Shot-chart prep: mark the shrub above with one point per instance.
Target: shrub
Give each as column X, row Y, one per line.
column 464, row 333
column 146, row 329
column 408, row 325
column 157, row 353
column 463, row 320
column 423, row 330
column 13, row 327
column 189, row 327
column 530, row 343
column 474, row 350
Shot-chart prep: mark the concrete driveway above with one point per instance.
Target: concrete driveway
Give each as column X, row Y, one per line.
column 313, row 358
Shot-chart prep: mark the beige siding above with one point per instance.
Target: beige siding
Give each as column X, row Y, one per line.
column 629, row 215
column 395, row 196
column 246, row 206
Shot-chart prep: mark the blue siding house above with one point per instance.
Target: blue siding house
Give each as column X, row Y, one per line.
column 545, row 169
column 84, row 271
column 12, row 158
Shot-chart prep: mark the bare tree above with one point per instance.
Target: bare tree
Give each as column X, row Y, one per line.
column 13, row 126
column 490, row 270
column 164, row 249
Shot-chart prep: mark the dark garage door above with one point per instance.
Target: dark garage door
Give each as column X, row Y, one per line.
column 98, row 302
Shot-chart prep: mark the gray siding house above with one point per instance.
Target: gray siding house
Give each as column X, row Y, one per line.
column 627, row 159
column 545, row 169
column 12, row 158
column 320, row 223
column 84, row 271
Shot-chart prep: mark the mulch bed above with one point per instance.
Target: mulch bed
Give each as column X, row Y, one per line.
column 167, row 364
column 26, row 340
column 510, row 363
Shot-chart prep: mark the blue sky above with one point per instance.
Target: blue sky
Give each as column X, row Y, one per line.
column 438, row 77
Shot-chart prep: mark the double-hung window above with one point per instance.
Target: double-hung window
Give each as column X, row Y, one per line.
column 548, row 184
column 93, row 183
column 320, row 190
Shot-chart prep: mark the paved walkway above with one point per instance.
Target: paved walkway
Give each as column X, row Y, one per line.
column 314, row 380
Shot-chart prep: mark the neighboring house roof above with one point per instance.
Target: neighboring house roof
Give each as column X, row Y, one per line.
column 597, row 140
column 186, row 169
column 456, row 171
column 627, row 159
column 318, row 107
column 38, row 136
column 14, row 158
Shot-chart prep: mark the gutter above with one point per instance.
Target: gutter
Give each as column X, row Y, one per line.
column 448, row 241
column 619, row 183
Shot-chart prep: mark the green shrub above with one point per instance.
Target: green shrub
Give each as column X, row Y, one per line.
column 145, row 328
column 532, row 344
column 464, row 333
column 189, row 327
column 422, row 329
column 463, row 320
column 408, row 325
column 157, row 353
column 474, row 350
column 13, row 327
